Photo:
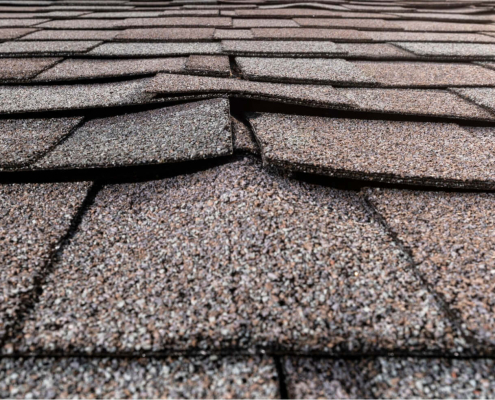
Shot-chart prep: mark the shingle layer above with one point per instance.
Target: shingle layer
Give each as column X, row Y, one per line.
column 391, row 151
column 193, row 287
column 192, row 131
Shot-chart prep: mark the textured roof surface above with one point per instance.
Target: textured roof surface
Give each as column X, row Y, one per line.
column 247, row 199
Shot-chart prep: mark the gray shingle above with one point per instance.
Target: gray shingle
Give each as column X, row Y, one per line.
column 19, row 69
column 154, row 49
column 470, row 51
column 171, row 377
column 187, row 132
column 277, row 48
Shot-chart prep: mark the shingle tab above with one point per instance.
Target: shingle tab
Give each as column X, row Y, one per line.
column 176, row 21
column 167, row 84
column 81, row 24
column 35, row 217
column 334, row 71
column 24, row 140
column 46, row 48
column 19, row 69
column 426, row 74
column 310, row 34
column 209, row 65
column 14, row 23
column 57, row 34
column 430, row 37
column 90, row 69
column 287, row 48
column 484, row 97
column 171, row 377
column 389, row 378
column 423, row 153
column 451, row 238
column 379, row 51
column 374, row 24
column 243, row 138
column 434, row 103
column 337, row 283
column 15, row 99
column 14, row 33
column 163, row 34
column 187, row 132
column 154, row 49
column 470, row 51
column 264, row 23
column 233, row 34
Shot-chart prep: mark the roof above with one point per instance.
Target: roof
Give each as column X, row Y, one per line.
column 256, row 198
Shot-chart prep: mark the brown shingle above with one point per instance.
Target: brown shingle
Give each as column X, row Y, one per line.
column 374, row 24
column 14, row 33
column 423, row 74
column 288, row 48
column 57, row 34
column 47, row 47
column 18, row 69
column 192, row 22
column 310, row 34
column 451, row 238
column 422, row 153
column 167, row 34
column 214, row 65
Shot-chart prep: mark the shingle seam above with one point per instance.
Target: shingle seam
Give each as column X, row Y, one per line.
column 469, row 100
column 452, row 315
column 31, row 297
column 281, row 377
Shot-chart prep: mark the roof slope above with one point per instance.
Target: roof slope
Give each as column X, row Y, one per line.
column 256, row 198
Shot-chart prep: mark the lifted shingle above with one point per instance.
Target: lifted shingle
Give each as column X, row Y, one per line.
column 334, row 71
column 171, row 377
column 166, row 84
column 243, row 137
column 422, row 153
column 90, row 69
column 212, row 261
column 209, row 65
column 15, row 99
column 435, row 103
column 186, row 132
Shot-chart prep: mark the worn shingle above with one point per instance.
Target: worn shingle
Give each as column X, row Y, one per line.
column 14, row 99
column 337, row 283
column 18, row 69
column 172, row 377
column 439, row 103
column 306, row 94
column 451, row 238
column 35, row 217
column 426, row 74
column 287, row 48
column 391, row 151
column 91, row 69
column 23, row 140
column 170, row 34
column 334, row 71
column 154, row 49
column 389, row 378
column 188, row 132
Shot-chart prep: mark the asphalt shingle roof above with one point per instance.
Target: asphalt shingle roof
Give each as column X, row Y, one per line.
column 257, row 198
